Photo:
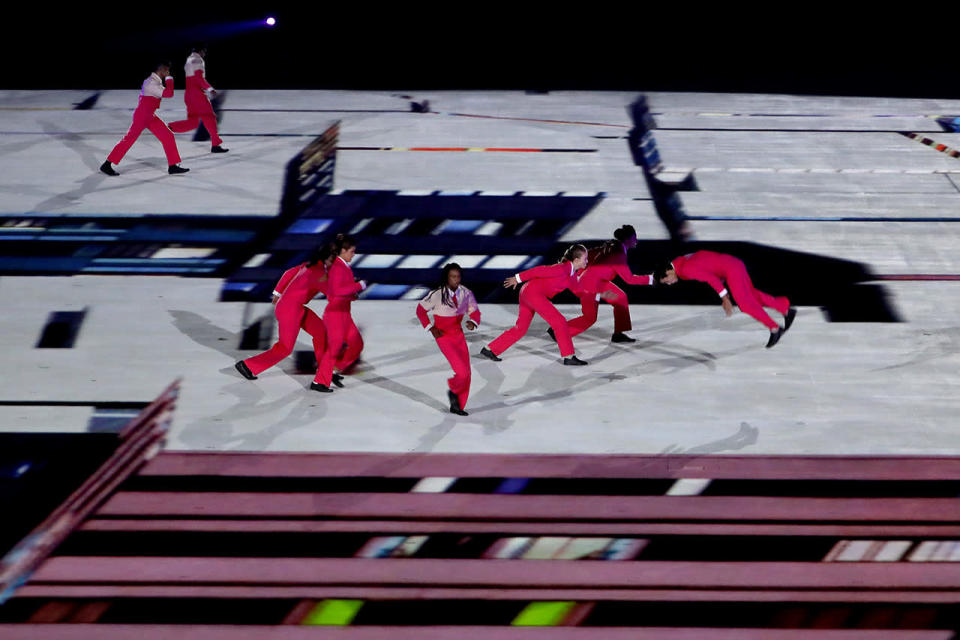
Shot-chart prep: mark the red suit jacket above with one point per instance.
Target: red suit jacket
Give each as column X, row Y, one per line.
column 609, row 268
column 341, row 287
column 300, row 284
column 549, row 280
column 708, row 266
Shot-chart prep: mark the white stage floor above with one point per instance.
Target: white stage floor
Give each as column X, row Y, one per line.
column 694, row 383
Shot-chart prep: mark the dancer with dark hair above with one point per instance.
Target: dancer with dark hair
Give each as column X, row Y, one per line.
column 606, row 263
column 344, row 342
column 296, row 288
column 539, row 285
column 449, row 303
column 720, row 271
column 158, row 86
column 196, row 98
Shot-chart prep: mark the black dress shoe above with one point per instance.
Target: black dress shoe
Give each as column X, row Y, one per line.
column 573, row 361
column 322, row 388
column 490, row 354
column 244, row 370
column 622, row 337
column 218, row 149
column 788, row 319
column 774, row 337
column 455, row 404
column 174, row 169
column 338, row 380
column 553, row 335
column 107, row 169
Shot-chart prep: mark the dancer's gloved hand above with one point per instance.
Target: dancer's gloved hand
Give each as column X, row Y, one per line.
column 471, row 325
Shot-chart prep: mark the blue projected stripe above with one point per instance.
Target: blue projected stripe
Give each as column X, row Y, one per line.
column 463, row 226
column 310, row 225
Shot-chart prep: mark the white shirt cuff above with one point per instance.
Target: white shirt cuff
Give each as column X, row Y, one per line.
column 597, row 299
column 277, row 293
column 723, row 293
column 517, row 276
column 428, row 327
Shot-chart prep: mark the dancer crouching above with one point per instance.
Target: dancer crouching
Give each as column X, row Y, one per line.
column 606, row 263
column 539, row 285
column 296, row 288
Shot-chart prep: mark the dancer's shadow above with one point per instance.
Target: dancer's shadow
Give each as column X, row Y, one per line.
column 219, row 432
column 91, row 157
column 389, row 384
column 671, row 459
column 206, row 334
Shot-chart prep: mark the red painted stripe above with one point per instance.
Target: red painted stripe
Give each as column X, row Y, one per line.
column 419, row 592
column 612, row 529
column 392, row 465
column 862, row 576
column 292, row 632
column 530, row 507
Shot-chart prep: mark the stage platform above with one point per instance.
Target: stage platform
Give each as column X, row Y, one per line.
column 828, row 176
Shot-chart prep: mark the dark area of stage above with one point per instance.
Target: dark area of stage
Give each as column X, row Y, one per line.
column 406, row 46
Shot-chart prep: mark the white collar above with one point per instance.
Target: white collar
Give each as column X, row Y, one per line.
column 157, row 76
column 343, row 261
column 452, row 292
column 572, row 270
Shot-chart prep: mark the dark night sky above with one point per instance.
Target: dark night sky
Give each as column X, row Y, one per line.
column 487, row 46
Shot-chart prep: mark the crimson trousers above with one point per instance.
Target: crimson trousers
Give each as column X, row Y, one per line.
column 589, row 308
column 146, row 119
column 532, row 301
column 453, row 345
column 344, row 344
column 291, row 318
column 199, row 109
column 752, row 301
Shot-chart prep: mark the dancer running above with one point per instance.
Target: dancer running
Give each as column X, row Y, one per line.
column 159, row 85
column 296, row 288
column 606, row 263
column 449, row 303
column 196, row 97
column 718, row 268
column 344, row 342
column 539, row 285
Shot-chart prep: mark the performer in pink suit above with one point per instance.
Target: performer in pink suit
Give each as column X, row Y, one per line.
column 449, row 303
column 344, row 342
column 298, row 286
column 720, row 271
column 539, row 285
column 196, row 98
column 158, row 86
column 606, row 263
